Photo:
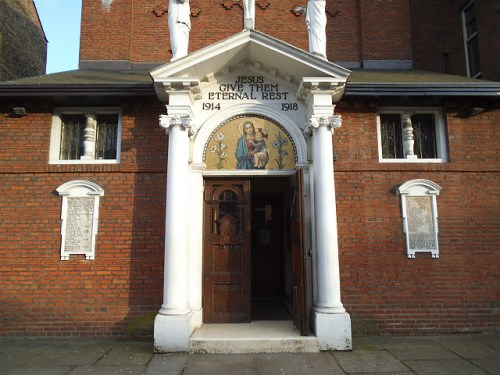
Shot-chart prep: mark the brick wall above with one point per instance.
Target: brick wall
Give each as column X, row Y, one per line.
column 387, row 293
column 438, row 45
column 23, row 48
column 137, row 31
column 385, row 30
column 119, row 291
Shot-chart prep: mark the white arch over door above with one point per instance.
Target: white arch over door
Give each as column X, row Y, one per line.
column 294, row 128
column 197, row 172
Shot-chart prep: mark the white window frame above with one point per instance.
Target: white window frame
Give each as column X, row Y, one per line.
column 55, row 137
column 440, row 133
column 468, row 38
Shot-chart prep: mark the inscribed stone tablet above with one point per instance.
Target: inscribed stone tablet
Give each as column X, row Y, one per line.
column 420, row 223
column 79, row 222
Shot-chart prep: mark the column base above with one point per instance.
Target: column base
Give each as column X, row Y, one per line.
column 172, row 333
column 333, row 331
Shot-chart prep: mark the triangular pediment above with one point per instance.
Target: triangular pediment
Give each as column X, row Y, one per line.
column 248, row 48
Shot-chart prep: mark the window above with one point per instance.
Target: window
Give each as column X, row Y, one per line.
column 469, row 26
column 420, row 217
column 411, row 135
column 85, row 136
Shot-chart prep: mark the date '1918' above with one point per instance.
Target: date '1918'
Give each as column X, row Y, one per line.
column 289, row 106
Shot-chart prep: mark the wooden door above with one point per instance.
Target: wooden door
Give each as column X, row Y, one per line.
column 226, row 252
column 299, row 260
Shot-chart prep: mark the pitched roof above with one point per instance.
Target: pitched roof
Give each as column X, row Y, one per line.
column 359, row 83
column 417, row 83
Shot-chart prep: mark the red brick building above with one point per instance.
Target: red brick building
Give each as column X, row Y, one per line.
column 390, row 226
column 23, row 46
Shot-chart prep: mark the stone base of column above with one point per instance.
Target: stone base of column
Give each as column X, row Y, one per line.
column 333, row 331
column 172, row 332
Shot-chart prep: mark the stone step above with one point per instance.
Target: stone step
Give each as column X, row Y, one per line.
column 254, row 337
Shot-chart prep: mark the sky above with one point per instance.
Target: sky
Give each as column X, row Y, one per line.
column 61, row 23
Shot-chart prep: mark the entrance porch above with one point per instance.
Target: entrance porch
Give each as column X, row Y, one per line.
column 264, row 336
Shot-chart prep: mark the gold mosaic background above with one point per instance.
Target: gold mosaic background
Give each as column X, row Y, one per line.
column 273, row 147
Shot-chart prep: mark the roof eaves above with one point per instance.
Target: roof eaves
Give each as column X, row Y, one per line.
column 425, row 89
column 75, row 89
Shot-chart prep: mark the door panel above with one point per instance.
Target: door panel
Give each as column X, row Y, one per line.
column 226, row 252
column 299, row 265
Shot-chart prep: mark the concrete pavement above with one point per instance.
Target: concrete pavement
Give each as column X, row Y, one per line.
column 440, row 355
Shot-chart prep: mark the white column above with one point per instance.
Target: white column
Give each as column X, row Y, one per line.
column 332, row 324
column 327, row 254
column 176, row 281
column 173, row 324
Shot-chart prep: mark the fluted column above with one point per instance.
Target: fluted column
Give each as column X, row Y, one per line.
column 176, row 275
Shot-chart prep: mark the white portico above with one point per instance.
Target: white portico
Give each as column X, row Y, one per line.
column 211, row 96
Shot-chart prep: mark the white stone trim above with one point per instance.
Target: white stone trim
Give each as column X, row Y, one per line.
column 211, row 123
column 440, row 133
column 420, row 188
column 55, row 134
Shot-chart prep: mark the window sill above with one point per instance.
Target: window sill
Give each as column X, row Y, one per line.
column 91, row 162
column 412, row 161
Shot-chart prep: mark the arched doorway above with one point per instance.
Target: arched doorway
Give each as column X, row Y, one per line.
column 254, row 263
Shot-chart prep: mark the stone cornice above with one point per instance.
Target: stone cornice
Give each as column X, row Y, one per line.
column 321, row 85
column 166, row 87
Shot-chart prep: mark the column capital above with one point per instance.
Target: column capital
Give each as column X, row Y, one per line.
column 330, row 122
column 183, row 122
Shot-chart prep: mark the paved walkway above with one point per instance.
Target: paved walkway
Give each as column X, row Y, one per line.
column 454, row 355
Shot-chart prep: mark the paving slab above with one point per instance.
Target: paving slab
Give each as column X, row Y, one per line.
column 412, row 348
column 62, row 359
column 452, row 354
column 12, row 359
column 298, row 364
column 444, row 367
column 11, row 344
column 167, row 364
column 52, row 370
column 467, row 346
column 128, row 354
column 492, row 364
column 366, row 343
column 369, row 362
column 492, row 340
column 218, row 364
column 108, row 370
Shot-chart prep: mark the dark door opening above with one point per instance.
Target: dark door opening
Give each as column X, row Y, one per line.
column 270, row 255
column 254, row 258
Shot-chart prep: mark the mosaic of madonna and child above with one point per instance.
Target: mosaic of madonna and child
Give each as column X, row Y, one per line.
column 250, row 142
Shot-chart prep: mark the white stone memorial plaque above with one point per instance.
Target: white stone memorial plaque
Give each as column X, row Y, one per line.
column 79, row 215
column 420, row 224
column 420, row 219
column 79, row 225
